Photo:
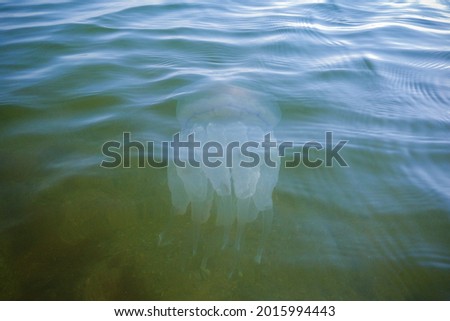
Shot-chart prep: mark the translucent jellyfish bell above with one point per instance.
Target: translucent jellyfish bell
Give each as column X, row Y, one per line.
column 237, row 192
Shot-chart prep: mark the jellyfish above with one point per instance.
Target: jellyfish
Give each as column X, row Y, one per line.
column 223, row 115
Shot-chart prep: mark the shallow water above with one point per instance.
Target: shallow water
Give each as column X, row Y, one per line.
column 76, row 75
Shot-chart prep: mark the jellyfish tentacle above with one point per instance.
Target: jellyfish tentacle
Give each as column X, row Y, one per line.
column 180, row 202
column 200, row 213
column 226, row 213
column 267, row 217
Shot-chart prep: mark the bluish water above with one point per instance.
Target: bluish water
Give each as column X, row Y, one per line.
column 74, row 75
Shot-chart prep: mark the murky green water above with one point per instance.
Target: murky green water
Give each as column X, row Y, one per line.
column 75, row 75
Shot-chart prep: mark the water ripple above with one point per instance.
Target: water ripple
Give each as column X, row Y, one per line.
column 376, row 74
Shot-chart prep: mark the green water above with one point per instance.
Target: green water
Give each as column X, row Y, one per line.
column 75, row 75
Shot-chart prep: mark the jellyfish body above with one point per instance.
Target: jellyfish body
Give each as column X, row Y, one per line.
column 227, row 115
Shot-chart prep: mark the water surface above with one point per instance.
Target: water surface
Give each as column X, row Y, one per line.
column 75, row 75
